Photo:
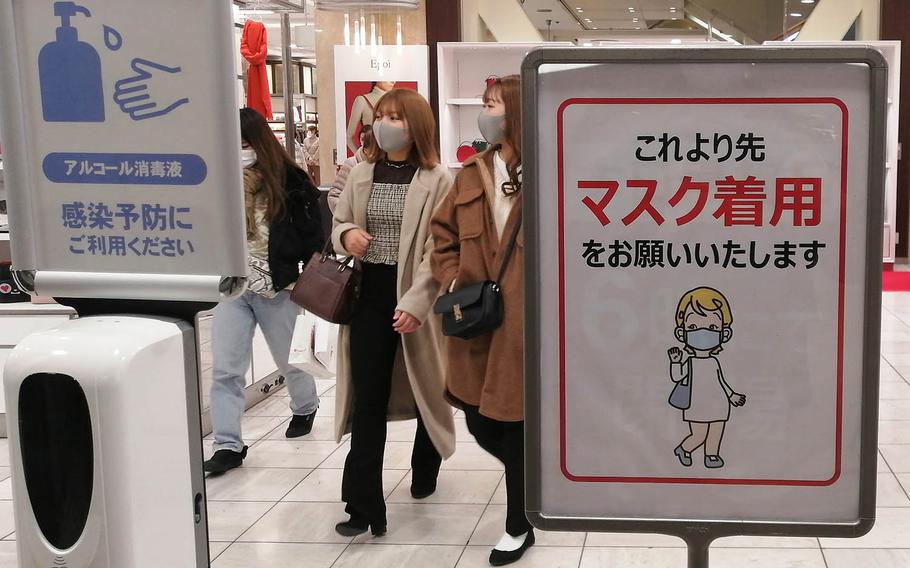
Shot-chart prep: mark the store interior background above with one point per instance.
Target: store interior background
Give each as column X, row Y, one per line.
column 303, row 34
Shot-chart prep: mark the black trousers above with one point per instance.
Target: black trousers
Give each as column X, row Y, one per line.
column 505, row 441
column 374, row 346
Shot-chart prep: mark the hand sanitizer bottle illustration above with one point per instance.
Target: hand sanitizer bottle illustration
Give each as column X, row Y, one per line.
column 70, row 73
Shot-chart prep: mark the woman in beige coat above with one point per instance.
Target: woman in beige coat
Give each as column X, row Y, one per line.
column 390, row 362
column 472, row 229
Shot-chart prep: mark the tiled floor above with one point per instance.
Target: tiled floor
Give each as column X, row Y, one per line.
column 280, row 508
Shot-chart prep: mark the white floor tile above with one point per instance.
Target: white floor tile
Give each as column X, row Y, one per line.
column 399, row 555
column 889, row 492
column 894, row 409
column 633, row 558
column 493, row 525
column 253, row 484
column 6, row 489
column 893, row 390
column 767, row 558
column 324, row 485
column 765, row 542
column 426, row 523
column 324, row 385
column 883, row 466
column 892, row 525
column 299, row 522
column 469, row 456
column 4, row 473
column 272, row 406
column 897, row 456
column 867, row 558
column 326, row 406
column 501, row 495
column 634, row 540
column 904, row 480
column 216, row 548
column 453, row 487
column 289, row 453
column 894, row 432
column 257, row 427
column 401, row 431
column 7, row 521
column 4, row 452
column 9, row 558
column 254, row 555
column 228, row 520
column 397, row 456
column 536, row 557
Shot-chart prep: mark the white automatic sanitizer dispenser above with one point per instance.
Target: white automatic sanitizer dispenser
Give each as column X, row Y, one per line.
column 105, row 441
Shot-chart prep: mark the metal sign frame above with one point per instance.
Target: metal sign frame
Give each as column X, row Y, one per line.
column 699, row 534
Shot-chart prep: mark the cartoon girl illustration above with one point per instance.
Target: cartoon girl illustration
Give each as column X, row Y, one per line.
column 703, row 324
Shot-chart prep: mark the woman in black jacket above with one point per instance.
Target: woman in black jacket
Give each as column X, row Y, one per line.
column 283, row 229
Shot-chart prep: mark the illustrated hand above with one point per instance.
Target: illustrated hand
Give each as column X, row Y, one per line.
column 738, row 399
column 356, row 242
column 675, row 354
column 134, row 94
column 405, row 322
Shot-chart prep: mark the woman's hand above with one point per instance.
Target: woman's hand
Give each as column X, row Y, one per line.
column 356, row 242
column 675, row 354
column 738, row 399
column 405, row 322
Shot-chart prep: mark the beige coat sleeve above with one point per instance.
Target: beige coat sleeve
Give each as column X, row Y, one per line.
column 418, row 300
column 343, row 218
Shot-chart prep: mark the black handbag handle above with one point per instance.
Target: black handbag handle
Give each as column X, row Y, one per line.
column 510, row 246
column 329, row 251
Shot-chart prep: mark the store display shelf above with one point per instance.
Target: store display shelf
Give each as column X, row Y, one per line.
column 466, row 102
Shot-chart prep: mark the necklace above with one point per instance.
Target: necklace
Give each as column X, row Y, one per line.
column 396, row 166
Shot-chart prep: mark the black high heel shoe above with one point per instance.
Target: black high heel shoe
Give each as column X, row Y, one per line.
column 357, row 526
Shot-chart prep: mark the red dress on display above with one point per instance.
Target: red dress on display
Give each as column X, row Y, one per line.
column 254, row 47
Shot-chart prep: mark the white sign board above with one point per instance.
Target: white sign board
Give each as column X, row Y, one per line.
column 362, row 76
column 121, row 147
column 701, row 273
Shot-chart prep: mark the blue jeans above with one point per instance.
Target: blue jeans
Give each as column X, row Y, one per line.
column 232, row 347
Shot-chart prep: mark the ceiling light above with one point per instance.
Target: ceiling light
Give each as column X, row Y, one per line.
column 588, row 20
column 637, row 27
column 672, row 9
column 795, row 15
column 808, row 1
column 588, row 44
column 579, row 9
column 595, row 28
column 634, row 19
column 676, row 41
column 674, row 18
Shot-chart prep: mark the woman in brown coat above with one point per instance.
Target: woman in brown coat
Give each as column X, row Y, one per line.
column 485, row 375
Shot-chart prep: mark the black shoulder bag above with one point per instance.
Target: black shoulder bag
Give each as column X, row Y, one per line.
column 476, row 309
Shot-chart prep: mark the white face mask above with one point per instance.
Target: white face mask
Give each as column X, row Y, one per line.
column 389, row 137
column 248, row 157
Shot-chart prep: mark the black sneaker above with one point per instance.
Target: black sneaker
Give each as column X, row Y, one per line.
column 224, row 460
column 301, row 425
column 502, row 557
column 422, row 490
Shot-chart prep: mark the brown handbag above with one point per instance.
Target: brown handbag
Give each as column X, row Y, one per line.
column 328, row 287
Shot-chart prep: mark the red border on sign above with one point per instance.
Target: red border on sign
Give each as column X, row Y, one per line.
column 840, row 294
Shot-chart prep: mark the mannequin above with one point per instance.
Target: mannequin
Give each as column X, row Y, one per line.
column 362, row 110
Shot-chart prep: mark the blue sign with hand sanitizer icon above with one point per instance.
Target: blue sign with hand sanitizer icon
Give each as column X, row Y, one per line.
column 72, row 88
column 118, row 157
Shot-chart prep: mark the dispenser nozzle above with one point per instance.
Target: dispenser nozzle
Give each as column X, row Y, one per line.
column 66, row 10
